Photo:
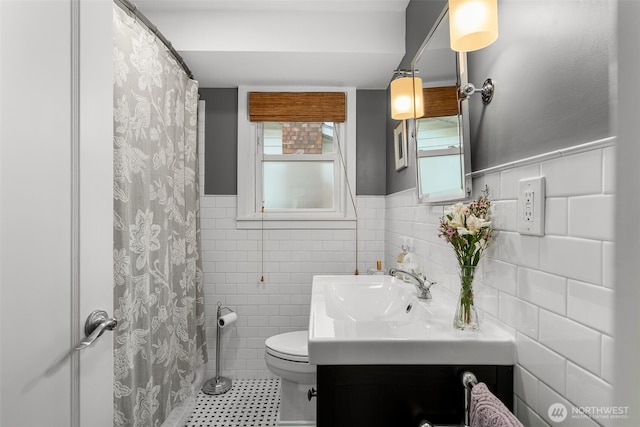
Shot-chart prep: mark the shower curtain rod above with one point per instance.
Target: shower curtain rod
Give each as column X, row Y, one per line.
column 132, row 8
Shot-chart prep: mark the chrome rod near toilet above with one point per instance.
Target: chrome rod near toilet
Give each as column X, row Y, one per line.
column 218, row 384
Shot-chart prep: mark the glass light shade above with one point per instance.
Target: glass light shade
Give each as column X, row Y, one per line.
column 406, row 98
column 473, row 24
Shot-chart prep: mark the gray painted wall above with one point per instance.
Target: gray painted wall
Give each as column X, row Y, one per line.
column 420, row 17
column 371, row 107
column 221, row 136
column 551, row 67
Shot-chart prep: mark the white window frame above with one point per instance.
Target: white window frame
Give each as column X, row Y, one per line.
column 334, row 158
column 464, row 191
column 249, row 215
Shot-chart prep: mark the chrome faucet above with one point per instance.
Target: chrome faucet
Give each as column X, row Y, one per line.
column 423, row 289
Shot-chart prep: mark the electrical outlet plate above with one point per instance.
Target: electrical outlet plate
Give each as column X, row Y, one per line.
column 531, row 206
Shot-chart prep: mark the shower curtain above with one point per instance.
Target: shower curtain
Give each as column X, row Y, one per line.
column 158, row 296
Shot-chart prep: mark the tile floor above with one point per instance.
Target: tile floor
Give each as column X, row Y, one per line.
column 250, row 402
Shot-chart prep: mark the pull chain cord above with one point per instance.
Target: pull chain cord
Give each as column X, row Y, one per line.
column 262, row 242
column 353, row 202
column 260, row 160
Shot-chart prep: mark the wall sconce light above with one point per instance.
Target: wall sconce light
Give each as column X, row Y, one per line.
column 486, row 90
column 406, row 95
column 473, row 24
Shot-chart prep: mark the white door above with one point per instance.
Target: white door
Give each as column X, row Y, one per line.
column 55, row 257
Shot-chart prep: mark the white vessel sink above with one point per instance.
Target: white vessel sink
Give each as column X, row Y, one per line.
column 378, row 320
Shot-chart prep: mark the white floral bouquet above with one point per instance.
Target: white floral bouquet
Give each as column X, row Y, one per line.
column 468, row 229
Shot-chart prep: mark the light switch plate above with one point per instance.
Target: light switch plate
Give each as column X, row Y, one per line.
column 531, row 206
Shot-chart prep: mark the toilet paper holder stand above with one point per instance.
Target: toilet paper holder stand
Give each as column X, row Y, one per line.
column 218, row 384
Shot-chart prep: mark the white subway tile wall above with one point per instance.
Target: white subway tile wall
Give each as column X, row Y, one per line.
column 555, row 293
column 234, row 262
column 548, row 397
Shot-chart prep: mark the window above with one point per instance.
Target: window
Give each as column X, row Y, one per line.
column 295, row 170
column 298, row 162
column 440, row 157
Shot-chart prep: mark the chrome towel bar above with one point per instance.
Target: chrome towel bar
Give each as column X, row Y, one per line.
column 468, row 381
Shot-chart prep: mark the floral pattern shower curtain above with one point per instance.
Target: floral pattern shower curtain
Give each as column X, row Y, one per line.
column 158, row 297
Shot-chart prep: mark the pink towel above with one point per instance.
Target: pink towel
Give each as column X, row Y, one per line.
column 488, row 411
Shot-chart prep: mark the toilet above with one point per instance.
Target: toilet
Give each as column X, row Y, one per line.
column 287, row 356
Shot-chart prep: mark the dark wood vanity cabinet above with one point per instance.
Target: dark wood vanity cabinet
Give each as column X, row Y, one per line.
column 401, row 395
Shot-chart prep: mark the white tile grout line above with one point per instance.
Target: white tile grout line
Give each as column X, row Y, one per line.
column 250, row 402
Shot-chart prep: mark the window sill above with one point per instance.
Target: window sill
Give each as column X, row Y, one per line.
column 295, row 223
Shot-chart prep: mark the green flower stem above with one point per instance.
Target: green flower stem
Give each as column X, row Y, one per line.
column 466, row 292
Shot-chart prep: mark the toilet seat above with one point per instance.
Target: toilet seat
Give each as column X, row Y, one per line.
column 290, row 346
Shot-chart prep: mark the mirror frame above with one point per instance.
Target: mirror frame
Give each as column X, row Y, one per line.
column 462, row 78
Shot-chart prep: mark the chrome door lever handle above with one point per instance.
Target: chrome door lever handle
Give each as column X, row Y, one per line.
column 97, row 322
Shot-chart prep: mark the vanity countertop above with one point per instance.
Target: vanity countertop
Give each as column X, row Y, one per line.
column 377, row 320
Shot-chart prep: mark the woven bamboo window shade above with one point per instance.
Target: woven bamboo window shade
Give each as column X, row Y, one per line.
column 440, row 101
column 297, row 107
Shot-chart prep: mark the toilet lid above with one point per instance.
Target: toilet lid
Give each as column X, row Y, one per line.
column 289, row 346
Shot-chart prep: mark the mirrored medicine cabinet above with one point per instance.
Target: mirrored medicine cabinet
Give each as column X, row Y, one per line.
column 441, row 135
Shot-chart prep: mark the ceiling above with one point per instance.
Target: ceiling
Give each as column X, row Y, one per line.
column 332, row 43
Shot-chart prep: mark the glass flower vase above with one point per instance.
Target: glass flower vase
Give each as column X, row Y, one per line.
column 466, row 317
